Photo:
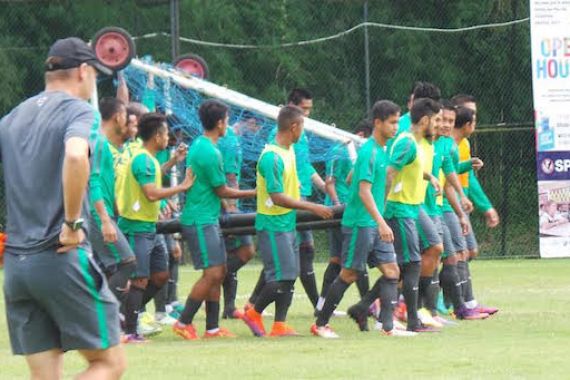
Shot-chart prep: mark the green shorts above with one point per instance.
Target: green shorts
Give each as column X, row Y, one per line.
column 206, row 245
column 280, row 258
column 58, row 301
column 362, row 245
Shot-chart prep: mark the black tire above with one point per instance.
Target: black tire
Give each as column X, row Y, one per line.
column 196, row 60
column 130, row 46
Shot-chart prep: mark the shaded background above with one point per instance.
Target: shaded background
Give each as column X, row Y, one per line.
column 492, row 63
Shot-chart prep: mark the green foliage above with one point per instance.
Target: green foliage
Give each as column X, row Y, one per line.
column 492, row 64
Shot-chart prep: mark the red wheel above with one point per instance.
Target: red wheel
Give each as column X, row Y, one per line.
column 114, row 47
column 192, row 64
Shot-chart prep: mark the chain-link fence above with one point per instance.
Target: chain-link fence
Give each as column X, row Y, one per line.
column 349, row 53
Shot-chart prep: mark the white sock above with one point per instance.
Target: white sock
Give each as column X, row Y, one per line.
column 213, row 331
column 320, row 303
column 471, row 304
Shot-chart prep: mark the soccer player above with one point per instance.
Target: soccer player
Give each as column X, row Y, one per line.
column 475, row 192
column 338, row 169
column 405, row 176
column 419, row 90
column 57, row 299
column 308, row 177
column 367, row 238
column 455, row 223
column 277, row 199
column 240, row 248
column 139, row 209
column 200, row 226
column 109, row 244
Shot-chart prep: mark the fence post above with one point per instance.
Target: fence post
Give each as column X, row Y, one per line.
column 175, row 28
column 366, row 59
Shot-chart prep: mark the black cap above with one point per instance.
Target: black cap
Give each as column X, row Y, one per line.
column 73, row 52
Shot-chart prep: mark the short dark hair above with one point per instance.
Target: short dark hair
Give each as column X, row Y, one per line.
column 447, row 105
column 297, row 95
column 424, row 107
column 211, row 112
column 365, row 126
column 109, row 107
column 426, row 90
column 461, row 99
column 287, row 116
column 383, row 109
column 137, row 109
column 464, row 115
column 150, row 124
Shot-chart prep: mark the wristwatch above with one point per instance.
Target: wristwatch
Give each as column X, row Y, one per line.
column 75, row 225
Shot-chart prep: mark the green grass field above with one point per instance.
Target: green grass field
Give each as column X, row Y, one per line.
column 529, row 338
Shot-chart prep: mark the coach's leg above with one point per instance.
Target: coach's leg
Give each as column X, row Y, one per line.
column 107, row 364
column 46, row 365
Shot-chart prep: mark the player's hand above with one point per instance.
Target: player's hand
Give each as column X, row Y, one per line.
column 466, row 204
column 476, row 163
column 435, row 183
column 173, row 206
column 492, row 218
column 188, row 179
column 464, row 223
column 176, row 251
column 181, row 152
column 386, row 233
column 322, row 211
column 69, row 239
column 109, row 232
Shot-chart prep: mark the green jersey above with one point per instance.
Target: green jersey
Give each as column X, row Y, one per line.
column 230, row 148
column 370, row 167
column 441, row 161
column 459, row 168
column 338, row 166
column 271, row 167
column 203, row 205
column 144, row 171
column 102, row 176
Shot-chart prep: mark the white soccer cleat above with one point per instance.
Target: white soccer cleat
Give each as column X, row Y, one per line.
column 324, row 332
column 401, row 333
column 339, row 313
column 397, row 325
column 164, row 319
column 426, row 318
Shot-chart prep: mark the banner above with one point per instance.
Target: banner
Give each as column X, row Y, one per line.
column 550, row 40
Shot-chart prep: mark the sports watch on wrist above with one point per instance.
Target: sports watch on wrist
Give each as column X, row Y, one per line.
column 75, row 225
